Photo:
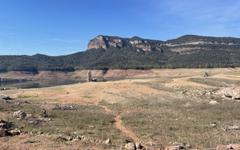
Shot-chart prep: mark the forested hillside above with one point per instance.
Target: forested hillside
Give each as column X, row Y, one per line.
column 136, row 53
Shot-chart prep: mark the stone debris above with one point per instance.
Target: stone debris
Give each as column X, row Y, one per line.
column 31, row 119
column 83, row 139
column 14, row 132
column 4, row 132
column 44, row 113
column 6, row 129
column 139, row 146
column 228, row 147
column 178, row 146
column 232, row 127
column 197, row 92
column 5, row 124
column 130, row 146
column 65, row 107
column 20, row 114
column 230, row 92
column 134, row 146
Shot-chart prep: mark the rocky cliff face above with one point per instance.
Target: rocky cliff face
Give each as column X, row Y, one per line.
column 188, row 51
column 105, row 42
column 182, row 45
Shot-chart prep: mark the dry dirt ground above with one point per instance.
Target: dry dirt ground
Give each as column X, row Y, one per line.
column 156, row 108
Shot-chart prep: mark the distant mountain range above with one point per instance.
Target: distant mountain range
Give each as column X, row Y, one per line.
column 189, row 51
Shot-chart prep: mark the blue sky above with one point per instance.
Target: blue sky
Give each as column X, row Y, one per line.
column 58, row 27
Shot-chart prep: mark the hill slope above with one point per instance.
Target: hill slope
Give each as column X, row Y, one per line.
column 188, row 51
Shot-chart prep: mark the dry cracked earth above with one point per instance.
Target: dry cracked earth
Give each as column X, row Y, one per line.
column 154, row 110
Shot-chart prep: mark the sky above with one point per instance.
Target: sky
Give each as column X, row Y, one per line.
column 59, row 27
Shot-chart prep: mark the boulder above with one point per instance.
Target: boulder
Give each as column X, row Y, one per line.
column 19, row 114
column 230, row 92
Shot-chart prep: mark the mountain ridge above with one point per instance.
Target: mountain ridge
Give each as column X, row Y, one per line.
column 188, row 51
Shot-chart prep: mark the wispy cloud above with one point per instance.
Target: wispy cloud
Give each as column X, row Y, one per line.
column 218, row 10
column 202, row 14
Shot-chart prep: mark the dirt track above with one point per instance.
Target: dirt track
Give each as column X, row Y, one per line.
column 119, row 125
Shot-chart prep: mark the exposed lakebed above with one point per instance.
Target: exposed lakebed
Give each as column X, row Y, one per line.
column 25, row 83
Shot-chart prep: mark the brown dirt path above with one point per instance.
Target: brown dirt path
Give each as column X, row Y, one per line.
column 119, row 124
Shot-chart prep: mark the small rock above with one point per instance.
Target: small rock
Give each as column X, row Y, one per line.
column 107, row 142
column 14, row 132
column 44, row 113
column 77, row 138
column 213, row 125
column 213, row 102
column 91, row 126
column 139, row 146
column 233, row 127
column 130, row 146
column 19, row 114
